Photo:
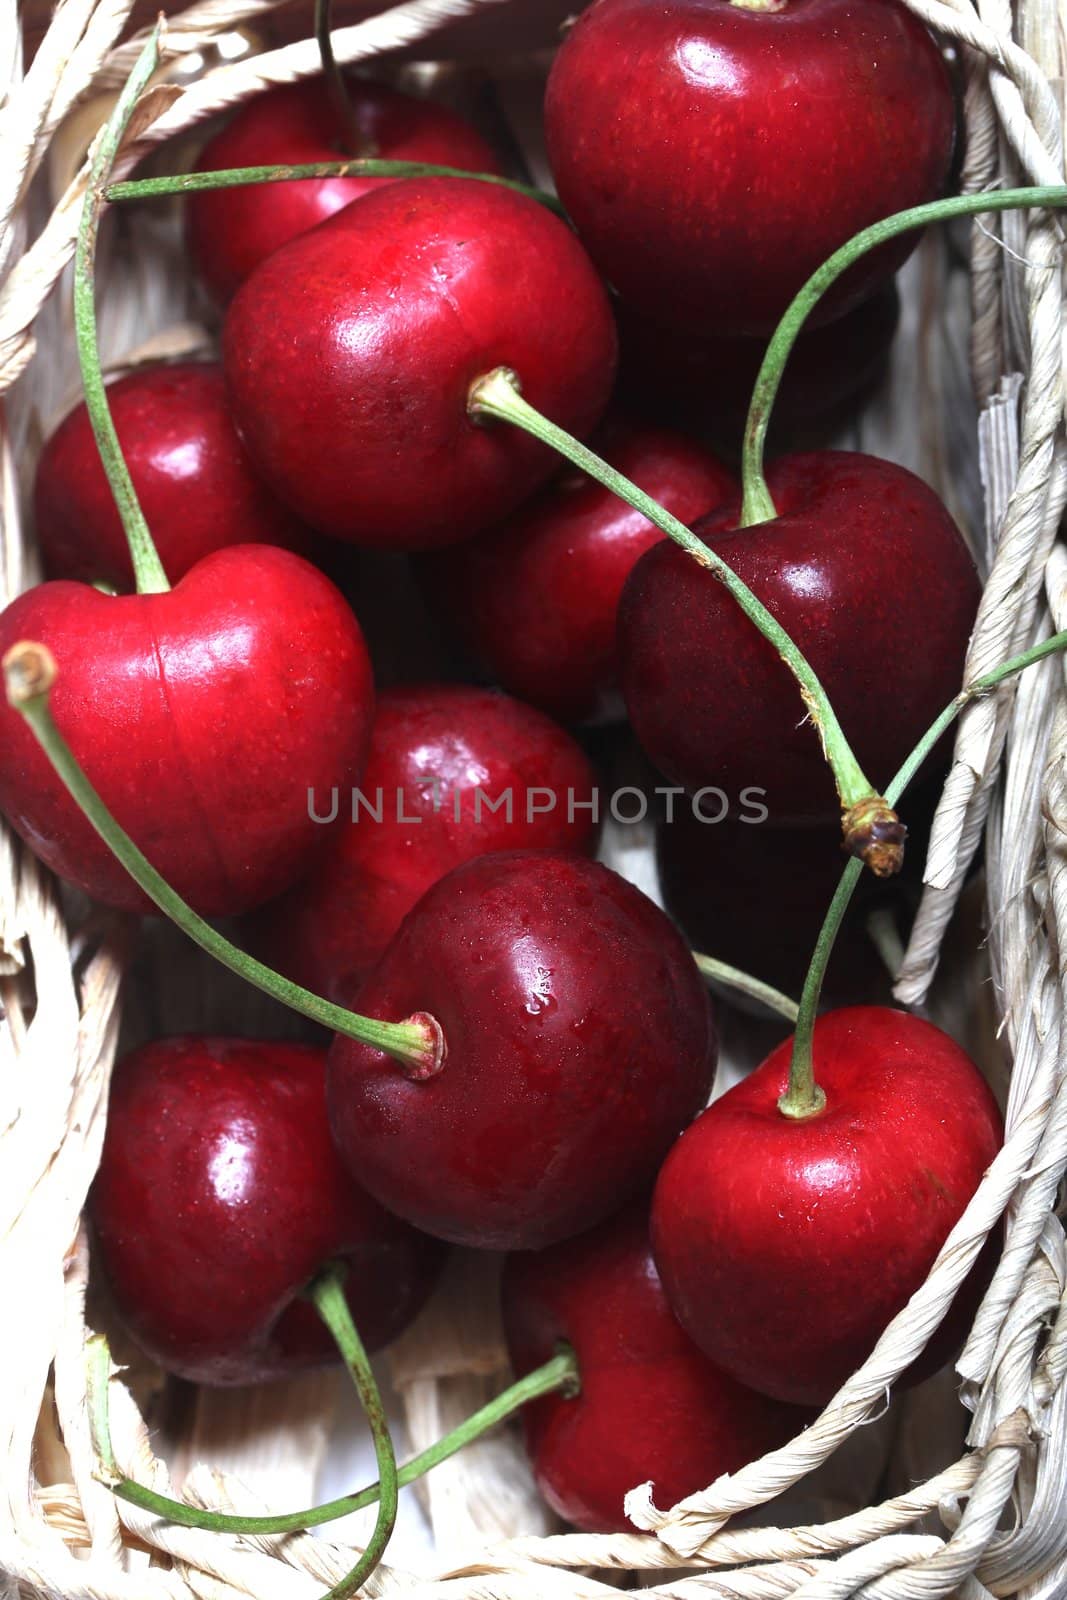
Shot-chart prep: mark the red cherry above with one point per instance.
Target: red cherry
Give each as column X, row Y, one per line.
column 196, row 485
column 787, row 1247
column 220, row 1196
column 350, row 354
column 203, row 716
column 440, row 757
column 713, row 155
column 719, row 878
column 579, row 1043
column 866, row 571
column 230, row 231
column 536, row 599
column 651, row 1405
column 708, row 382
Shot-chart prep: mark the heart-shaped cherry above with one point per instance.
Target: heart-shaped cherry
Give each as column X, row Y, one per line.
column 230, row 231
column 203, row 716
column 708, row 382
column 351, row 352
column 579, row 1042
column 868, row 574
column 452, row 773
column 712, row 155
column 536, row 599
column 192, row 476
column 650, row 1405
column 220, row 1197
column 786, row 1246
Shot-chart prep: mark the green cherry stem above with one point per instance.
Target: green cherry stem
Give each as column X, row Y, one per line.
column 803, row 1098
column 559, row 1374
column 352, row 139
column 148, row 569
column 879, row 841
column 757, row 505
column 744, row 983
column 327, row 1295
column 417, row 1043
column 358, row 167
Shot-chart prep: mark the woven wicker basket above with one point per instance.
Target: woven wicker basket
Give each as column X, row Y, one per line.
column 988, row 1516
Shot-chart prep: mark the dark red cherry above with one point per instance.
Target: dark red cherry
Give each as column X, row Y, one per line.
column 651, row 1405
column 756, row 896
column 579, row 1042
column 452, row 773
column 707, row 382
column 712, row 155
column 220, row 1197
column 535, row 599
column 203, row 716
column 867, row 572
column 350, row 355
column 230, row 231
column 786, row 1247
column 196, row 485
column 718, row 875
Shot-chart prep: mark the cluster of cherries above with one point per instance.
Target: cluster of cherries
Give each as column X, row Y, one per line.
column 530, row 1047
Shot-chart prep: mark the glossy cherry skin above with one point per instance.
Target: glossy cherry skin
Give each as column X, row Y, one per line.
column 535, row 599
column 220, row 1197
column 434, row 749
column 651, row 1405
column 787, row 1247
column 202, row 716
column 579, row 1043
column 196, row 485
column 866, row 571
column 350, row 354
column 707, row 382
column 230, row 231
column 713, row 155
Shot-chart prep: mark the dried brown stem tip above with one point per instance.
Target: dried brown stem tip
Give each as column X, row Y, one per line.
column 29, row 672
column 873, row 831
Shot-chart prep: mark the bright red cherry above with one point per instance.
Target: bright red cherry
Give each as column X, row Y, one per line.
column 713, row 154
column 651, row 1405
column 786, row 1247
column 536, row 598
column 230, row 231
column 867, row 572
column 194, row 480
column 452, row 773
column 203, row 716
column 220, row 1197
column 350, row 355
column 579, row 1042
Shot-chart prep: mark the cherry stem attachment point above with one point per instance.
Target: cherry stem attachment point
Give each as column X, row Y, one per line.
column 498, row 395
column 148, row 569
column 559, row 1374
column 351, row 136
column 358, row 167
column 744, row 983
column 327, row 1295
column 29, row 674
column 803, row 1098
column 757, row 505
